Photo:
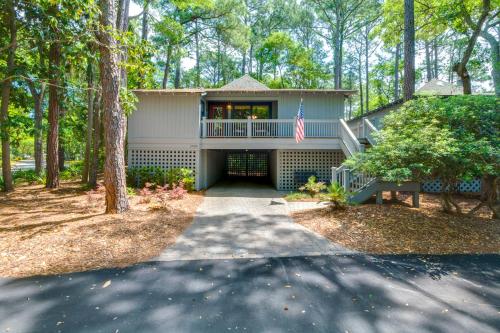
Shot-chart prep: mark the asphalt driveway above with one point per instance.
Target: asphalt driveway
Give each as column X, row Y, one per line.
column 339, row 293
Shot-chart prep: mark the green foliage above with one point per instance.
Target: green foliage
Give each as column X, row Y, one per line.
column 139, row 176
column 450, row 138
column 28, row 176
column 73, row 171
column 312, row 187
column 297, row 196
column 336, row 195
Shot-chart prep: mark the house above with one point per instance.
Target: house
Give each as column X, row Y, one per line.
column 243, row 129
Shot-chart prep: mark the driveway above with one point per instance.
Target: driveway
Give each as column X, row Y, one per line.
column 339, row 293
column 246, row 220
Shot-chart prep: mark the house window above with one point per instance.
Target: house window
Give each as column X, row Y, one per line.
column 240, row 110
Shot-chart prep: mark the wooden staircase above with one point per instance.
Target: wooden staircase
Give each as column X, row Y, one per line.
column 360, row 186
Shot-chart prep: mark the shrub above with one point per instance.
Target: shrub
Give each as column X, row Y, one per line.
column 336, row 195
column 312, row 187
column 296, row 196
column 28, row 176
column 71, row 172
column 158, row 177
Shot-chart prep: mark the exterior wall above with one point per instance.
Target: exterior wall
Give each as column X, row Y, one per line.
column 273, row 167
column 320, row 162
column 212, row 167
column 316, row 106
column 165, row 119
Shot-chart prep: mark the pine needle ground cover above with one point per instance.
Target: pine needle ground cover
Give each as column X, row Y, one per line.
column 397, row 228
column 65, row 230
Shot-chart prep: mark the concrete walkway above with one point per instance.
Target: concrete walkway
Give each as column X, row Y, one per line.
column 245, row 220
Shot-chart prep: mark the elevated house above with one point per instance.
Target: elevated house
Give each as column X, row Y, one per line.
column 243, row 129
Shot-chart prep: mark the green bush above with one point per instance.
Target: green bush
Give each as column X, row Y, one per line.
column 312, row 187
column 336, row 195
column 72, row 171
column 139, row 176
column 28, row 176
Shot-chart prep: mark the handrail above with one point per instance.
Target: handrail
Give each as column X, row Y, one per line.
column 369, row 129
column 349, row 139
column 352, row 182
column 267, row 128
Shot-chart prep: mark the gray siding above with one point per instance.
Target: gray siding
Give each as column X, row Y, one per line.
column 166, row 117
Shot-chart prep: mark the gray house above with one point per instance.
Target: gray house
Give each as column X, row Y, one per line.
column 243, row 129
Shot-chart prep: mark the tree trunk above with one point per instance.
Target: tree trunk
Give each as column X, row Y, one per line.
column 367, row 73
column 177, row 77
column 409, row 50
column 90, row 121
column 243, row 62
column 52, row 179
column 396, row 71
column 123, row 26
column 61, row 155
column 96, row 141
column 114, row 118
column 10, row 12
column 145, row 21
column 461, row 67
column 337, row 60
column 436, row 65
column 495, row 59
column 428, row 67
column 197, row 46
column 166, row 71
column 360, row 77
column 250, row 60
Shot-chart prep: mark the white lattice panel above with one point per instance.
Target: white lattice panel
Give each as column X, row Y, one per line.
column 295, row 162
column 473, row 186
column 166, row 159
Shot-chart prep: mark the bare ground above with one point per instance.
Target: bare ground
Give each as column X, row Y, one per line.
column 397, row 228
column 65, row 230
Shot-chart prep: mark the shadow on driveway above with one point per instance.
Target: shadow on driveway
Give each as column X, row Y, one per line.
column 344, row 293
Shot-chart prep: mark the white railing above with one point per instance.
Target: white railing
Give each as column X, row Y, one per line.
column 349, row 139
column 351, row 181
column 267, row 128
column 368, row 130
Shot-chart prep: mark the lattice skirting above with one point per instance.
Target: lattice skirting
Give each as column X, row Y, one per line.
column 164, row 158
column 295, row 165
column 473, row 186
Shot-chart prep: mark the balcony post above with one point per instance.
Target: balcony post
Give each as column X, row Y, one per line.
column 249, row 127
column 204, row 127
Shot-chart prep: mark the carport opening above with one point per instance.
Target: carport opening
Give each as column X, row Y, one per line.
column 248, row 166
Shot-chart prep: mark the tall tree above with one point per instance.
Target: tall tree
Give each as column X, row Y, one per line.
column 10, row 18
column 476, row 27
column 409, row 50
column 493, row 38
column 114, row 117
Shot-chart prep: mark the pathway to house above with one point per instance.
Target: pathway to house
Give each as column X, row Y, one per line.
column 246, row 220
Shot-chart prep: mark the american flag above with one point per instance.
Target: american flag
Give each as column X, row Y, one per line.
column 299, row 129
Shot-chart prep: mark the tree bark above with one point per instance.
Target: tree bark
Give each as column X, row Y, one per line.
column 52, row 179
column 62, row 155
column 461, row 67
column 114, row 118
column 10, row 13
column 166, row 71
column 396, row 71
column 360, row 77
column 96, row 141
column 428, row 67
column 436, row 65
column 243, row 62
column 197, row 46
column 367, row 73
column 145, row 21
column 409, row 50
column 495, row 59
column 177, row 77
column 90, row 121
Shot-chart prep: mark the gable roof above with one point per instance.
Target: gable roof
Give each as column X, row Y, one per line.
column 439, row 88
column 246, row 82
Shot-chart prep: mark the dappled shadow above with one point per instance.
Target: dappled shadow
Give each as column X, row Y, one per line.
column 353, row 293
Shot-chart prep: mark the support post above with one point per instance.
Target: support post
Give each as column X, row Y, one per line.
column 249, row 127
column 416, row 199
column 378, row 200
column 204, row 127
column 346, row 180
column 394, row 195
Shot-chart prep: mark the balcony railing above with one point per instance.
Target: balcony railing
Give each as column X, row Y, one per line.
column 267, row 128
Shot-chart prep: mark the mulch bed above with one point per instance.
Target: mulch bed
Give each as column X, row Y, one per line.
column 65, row 230
column 397, row 228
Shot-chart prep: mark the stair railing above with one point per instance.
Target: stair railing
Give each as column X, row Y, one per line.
column 352, row 182
column 368, row 130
